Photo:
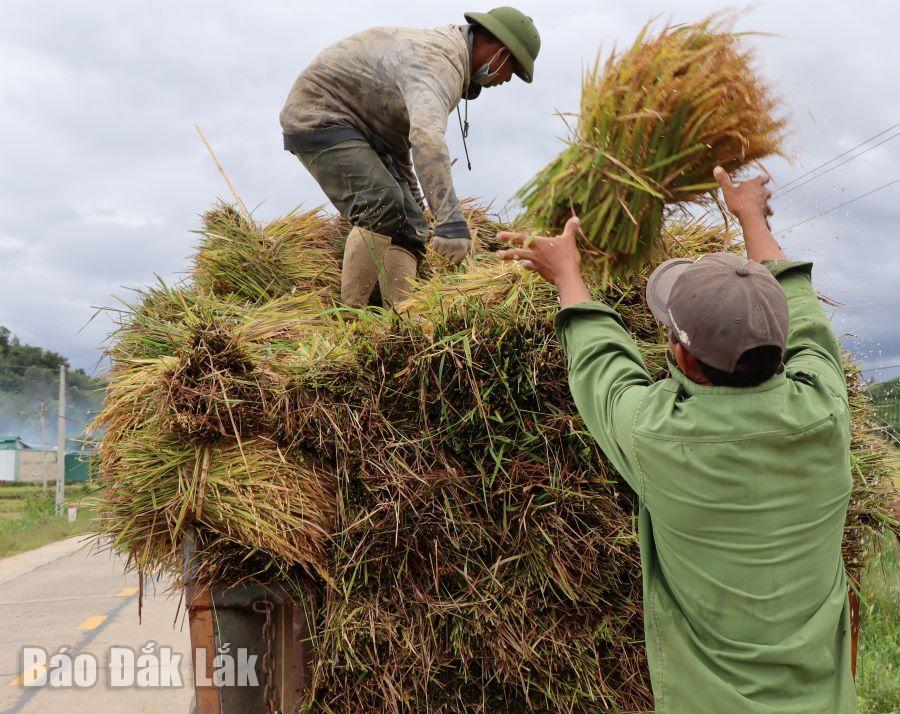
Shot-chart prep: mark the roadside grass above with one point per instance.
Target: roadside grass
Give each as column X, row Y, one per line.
column 27, row 520
column 877, row 675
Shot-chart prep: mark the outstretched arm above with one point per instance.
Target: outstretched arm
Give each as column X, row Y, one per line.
column 811, row 345
column 607, row 376
column 749, row 202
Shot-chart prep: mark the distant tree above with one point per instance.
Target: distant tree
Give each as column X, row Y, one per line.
column 30, row 374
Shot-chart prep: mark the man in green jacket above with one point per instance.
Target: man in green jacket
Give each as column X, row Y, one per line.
column 740, row 459
column 371, row 108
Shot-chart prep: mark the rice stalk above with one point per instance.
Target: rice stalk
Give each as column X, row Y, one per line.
column 654, row 121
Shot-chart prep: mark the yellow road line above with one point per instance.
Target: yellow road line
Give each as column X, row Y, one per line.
column 92, row 623
column 29, row 676
column 128, row 592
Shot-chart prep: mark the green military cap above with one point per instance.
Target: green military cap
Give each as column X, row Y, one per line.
column 517, row 33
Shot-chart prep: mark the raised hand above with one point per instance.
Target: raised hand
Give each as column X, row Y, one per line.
column 556, row 258
column 748, row 199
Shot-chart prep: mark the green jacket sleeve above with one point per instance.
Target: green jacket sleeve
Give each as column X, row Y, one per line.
column 811, row 345
column 607, row 378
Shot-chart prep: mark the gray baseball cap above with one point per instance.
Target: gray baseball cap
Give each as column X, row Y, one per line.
column 719, row 306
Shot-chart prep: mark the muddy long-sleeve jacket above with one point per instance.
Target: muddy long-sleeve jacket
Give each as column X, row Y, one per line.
column 394, row 87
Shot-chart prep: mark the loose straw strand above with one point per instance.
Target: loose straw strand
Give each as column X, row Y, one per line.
column 244, row 212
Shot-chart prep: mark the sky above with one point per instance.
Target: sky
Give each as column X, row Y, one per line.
column 103, row 177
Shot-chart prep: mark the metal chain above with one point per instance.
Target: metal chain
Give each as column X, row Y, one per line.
column 266, row 606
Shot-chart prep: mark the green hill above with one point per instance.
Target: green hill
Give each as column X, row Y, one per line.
column 30, row 375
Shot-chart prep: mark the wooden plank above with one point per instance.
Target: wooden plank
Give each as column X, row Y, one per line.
column 203, row 637
column 203, row 633
column 301, row 673
column 854, row 622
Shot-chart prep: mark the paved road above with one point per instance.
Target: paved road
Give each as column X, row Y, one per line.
column 63, row 595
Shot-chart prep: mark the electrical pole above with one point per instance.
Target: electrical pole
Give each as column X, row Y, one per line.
column 61, row 443
column 43, row 446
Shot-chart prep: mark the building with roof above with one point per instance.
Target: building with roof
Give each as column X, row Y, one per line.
column 10, row 447
column 21, row 463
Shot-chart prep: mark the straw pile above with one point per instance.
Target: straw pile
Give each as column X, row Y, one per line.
column 425, row 480
column 655, row 120
column 421, row 479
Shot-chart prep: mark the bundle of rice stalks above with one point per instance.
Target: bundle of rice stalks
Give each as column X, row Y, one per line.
column 513, row 591
column 487, row 562
column 299, row 253
column 262, row 512
column 654, row 122
column 484, row 223
column 234, row 364
column 207, row 366
column 874, row 462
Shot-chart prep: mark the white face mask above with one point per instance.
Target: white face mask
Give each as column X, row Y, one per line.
column 483, row 76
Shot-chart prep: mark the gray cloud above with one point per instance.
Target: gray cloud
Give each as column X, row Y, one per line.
column 103, row 177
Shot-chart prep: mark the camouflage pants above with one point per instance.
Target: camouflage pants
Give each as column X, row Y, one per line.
column 367, row 193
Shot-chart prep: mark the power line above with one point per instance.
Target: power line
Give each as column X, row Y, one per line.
column 876, row 369
column 839, row 156
column 840, row 205
column 780, row 193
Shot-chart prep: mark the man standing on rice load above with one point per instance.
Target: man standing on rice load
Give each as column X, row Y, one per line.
column 371, row 109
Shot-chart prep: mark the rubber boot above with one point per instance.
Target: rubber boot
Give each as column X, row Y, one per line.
column 399, row 268
column 364, row 254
